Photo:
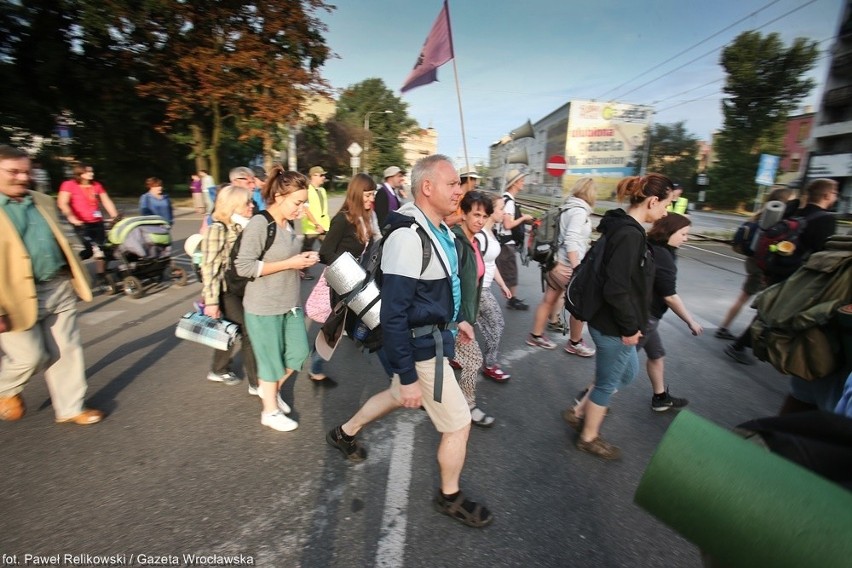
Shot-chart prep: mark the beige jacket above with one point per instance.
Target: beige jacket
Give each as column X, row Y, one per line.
column 17, row 286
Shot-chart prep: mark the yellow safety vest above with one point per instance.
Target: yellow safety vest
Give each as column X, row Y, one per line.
column 678, row 206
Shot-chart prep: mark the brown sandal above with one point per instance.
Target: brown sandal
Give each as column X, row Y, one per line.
column 460, row 509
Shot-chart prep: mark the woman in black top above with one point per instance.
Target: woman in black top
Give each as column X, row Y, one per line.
column 665, row 236
column 616, row 328
column 353, row 229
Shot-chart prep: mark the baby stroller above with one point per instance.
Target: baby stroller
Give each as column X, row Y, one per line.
column 138, row 253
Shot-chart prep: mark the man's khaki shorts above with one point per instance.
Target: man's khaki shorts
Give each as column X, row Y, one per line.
column 449, row 415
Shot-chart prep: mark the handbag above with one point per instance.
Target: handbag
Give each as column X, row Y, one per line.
column 318, row 304
column 200, row 328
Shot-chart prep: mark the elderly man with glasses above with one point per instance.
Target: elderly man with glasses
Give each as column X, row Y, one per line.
column 39, row 286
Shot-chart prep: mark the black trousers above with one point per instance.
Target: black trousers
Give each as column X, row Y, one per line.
column 232, row 310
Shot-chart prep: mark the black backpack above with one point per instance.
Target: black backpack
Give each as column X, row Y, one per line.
column 235, row 283
column 744, row 237
column 779, row 251
column 584, row 293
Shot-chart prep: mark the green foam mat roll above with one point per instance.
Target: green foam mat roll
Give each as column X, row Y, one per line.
column 743, row 505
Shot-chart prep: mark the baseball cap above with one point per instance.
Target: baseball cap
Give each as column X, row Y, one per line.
column 392, row 171
column 317, row 170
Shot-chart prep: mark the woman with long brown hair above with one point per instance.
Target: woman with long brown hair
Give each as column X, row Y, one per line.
column 353, row 229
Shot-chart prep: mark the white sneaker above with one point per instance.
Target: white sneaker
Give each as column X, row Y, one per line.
column 283, row 406
column 580, row 349
column 278, row 421
column 254, row 391
column 228, row 378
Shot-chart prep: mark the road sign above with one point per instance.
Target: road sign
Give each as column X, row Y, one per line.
column 354, row 149
column 766, row 170
column 354, row 162
column 555, row 165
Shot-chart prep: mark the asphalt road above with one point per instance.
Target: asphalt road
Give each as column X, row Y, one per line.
column 183, row 466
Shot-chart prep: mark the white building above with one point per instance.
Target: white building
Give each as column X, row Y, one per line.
column 597, row 139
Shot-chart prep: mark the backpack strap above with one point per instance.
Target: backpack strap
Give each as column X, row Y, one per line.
column 271, row 231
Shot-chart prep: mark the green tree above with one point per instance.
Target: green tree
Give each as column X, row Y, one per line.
column 673, row 152
column 386, row 130
column 57, row 60
column 325, row 144
column 244, row 61
column 764, row 85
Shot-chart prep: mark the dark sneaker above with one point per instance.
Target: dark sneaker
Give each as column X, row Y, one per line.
column 723, row 333
column 516, row 304
column 556, row 325
column 353, row 451
column 582, row 394
column 572, row 419
column 668, row 401
column 599, row 447
column 739, row 355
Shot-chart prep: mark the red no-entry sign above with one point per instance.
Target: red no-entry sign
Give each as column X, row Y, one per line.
column 555, row 165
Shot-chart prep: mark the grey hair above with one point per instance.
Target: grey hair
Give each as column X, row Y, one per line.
column 424, row 169
column 240, row 171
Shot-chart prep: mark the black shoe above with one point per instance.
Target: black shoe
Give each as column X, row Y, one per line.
column 516, row 304
column 668, row 401
column 739, row 355
column 723, row 333
column 353, row 451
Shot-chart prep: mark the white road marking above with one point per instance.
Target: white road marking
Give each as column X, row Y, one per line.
column 391, row 547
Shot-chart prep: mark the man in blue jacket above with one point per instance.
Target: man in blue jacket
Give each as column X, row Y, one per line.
column 419, row 308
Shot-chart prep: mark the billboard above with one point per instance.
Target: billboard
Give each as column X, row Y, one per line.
column 603, row 137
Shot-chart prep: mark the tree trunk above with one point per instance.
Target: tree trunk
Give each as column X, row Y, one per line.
column 215, row 139
column 199, row 147
column 268, row 150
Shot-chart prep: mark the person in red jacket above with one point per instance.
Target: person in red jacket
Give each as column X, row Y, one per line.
column 80, row 200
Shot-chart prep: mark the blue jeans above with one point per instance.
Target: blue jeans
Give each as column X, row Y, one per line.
column 317, row 362
column 616, row 365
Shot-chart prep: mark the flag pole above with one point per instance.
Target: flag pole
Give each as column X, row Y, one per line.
column 458, row 89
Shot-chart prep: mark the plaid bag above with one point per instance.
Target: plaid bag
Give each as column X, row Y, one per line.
column 218, row 334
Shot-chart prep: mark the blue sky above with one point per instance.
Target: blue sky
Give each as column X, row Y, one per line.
column 522, row 60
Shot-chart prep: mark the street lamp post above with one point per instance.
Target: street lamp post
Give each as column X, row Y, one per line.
column 367, row 135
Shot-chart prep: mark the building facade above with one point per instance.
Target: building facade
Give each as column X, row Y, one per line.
column 831, row 145
column 597, row 139
column 419, row 144
column 796, row 147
